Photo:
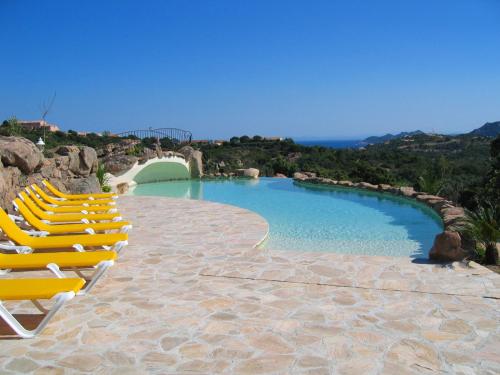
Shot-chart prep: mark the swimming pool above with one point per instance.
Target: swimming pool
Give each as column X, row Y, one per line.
column 315, row 218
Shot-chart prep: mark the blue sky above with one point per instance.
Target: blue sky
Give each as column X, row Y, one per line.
column 335, row 69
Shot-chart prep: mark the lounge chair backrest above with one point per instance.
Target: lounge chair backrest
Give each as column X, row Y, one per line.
column 42, row 193
column 52, row 189
column 31, row 205
column 29, row 216
column 12, row 231
column 38, row 201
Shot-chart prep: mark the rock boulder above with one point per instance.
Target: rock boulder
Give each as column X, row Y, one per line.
column 299, row 176
column 119, row 164
column 21, row 153
column 195, row 160
column 248, row 172
column 447, row 247
column 86, row 185
column 122, row 188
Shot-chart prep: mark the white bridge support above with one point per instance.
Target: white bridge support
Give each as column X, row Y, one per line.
column 154, row 170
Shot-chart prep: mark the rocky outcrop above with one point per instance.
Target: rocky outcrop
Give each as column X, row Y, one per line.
column 119, row 164
column 122, row 188
column 448, row 247
column 304, row 175
column 449, row 213
column 72, row 169
column 248, row 172
column 21, row 153
column 195, row 160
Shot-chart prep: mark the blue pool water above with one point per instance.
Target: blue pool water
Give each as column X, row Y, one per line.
column 314, row 218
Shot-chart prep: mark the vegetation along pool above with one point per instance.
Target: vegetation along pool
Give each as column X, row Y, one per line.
column 313, row 218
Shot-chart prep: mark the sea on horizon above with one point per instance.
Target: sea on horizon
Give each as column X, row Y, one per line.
column 332, row 143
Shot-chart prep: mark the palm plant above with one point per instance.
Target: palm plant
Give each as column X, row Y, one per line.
column 430, row 184
column 483, row 226
column 102, row 177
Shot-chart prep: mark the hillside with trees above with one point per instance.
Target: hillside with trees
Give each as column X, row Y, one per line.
column 453, row 166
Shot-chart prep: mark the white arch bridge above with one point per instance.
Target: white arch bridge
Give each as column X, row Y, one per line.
column 154, row 170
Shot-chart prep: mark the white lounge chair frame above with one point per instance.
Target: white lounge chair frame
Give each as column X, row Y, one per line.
column 60, row 300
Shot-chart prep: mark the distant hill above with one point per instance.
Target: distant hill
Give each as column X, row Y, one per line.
column 490, row 129
column 389, row 137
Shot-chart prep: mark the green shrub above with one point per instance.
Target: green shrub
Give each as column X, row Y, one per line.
column 101, row 176
column 483, row 226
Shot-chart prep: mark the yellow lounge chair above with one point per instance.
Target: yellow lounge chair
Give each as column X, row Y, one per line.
column 61, row 290
column 59, row 202
column 26, row 243
column 68, row 209
column 99, row 260
column 90, row 228
column 62, row 195
column 68, row 217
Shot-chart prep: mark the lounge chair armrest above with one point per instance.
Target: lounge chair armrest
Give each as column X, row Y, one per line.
column 126, row 228
column 89, row 230
column 78, row 248
column 37, row 233
column 18, row 249
column 16, row 218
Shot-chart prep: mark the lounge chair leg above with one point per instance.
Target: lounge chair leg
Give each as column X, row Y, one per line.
column 126, row 228
column 61, row 298
column 56, row 270
column 39, row 306
column 120, row 245
column 92, row 280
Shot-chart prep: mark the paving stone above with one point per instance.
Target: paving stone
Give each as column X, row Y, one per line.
column 21, row 365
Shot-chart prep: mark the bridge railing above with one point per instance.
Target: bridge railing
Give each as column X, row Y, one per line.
column 177, row 136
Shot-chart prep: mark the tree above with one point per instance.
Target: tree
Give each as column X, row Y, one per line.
column 11, row 127
column 257, row 138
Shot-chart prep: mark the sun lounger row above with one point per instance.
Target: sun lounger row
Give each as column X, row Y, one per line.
column 56, row 231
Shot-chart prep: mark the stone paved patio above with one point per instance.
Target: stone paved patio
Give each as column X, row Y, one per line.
column 191, row 295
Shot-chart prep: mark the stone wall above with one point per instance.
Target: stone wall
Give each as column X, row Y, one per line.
column 72, row 169
column 448, row 246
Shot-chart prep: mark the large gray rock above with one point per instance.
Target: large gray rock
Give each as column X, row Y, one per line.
column 447, row 247
column 119, row 164
column 9, row 185
column 407, row 191
column 195, row 160
column 86, row 185
column 21, row 153
column 452, row 215
column 299, row 176
column 122, row 188
column 367, row 185
column 345, row 183
column 248, row 172
column 83, row 162
column 88, row 160
column 67, row 149
column 72, row 172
